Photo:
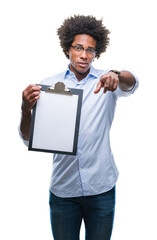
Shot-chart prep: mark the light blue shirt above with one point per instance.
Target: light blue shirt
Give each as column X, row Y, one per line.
column 93, row 170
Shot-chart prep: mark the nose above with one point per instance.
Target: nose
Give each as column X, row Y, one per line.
column 83, row 54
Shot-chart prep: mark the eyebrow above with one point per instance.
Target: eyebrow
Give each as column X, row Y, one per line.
column 82, row 46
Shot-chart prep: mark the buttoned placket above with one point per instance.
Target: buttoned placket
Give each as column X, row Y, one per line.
column 80, row 155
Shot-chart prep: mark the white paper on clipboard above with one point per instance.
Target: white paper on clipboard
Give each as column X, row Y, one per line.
column 56, row 122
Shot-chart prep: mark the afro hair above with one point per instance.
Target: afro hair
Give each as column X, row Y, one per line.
column 79, row 24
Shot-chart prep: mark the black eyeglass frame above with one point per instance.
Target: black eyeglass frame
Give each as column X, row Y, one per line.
column 88, row 50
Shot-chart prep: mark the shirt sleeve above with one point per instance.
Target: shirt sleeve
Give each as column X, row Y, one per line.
column 120, row 93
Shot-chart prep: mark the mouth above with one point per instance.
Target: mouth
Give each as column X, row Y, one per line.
column 82, row 64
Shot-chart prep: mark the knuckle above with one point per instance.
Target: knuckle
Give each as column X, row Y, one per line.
column 24, row 95
column 33, row 94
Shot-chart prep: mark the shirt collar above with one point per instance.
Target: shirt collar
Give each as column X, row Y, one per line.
column 92, row 72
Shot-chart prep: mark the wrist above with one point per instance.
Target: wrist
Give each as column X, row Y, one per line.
column 117, row 72
column 25, row 111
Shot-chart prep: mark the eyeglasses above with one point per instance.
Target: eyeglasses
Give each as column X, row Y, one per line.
column 90, row 51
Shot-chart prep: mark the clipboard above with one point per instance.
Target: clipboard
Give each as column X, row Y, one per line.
column 56, row 119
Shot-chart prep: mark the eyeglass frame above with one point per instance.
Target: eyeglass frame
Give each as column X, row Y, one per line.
column 82, row 49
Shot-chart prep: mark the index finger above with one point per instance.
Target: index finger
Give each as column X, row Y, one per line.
column 101, row 83
column 99, row 86
column 34, row 87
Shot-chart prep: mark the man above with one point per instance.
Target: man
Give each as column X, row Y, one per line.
column 83, row 186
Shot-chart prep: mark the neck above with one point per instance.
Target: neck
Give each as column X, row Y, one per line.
column 79, row 75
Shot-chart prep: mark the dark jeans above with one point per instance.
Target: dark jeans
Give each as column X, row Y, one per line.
column 97, row 211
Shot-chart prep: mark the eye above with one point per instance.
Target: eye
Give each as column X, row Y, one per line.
column 89, row 50
column 78, row 48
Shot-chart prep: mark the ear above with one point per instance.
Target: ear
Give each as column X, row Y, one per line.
column 67, row 52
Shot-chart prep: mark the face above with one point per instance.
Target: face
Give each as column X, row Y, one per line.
column 80, row 61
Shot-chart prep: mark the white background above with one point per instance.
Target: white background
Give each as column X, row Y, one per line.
column 29, row 52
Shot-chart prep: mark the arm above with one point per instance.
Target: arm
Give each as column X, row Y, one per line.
column 126, row 81
column 29, row 97
column 111, row 80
